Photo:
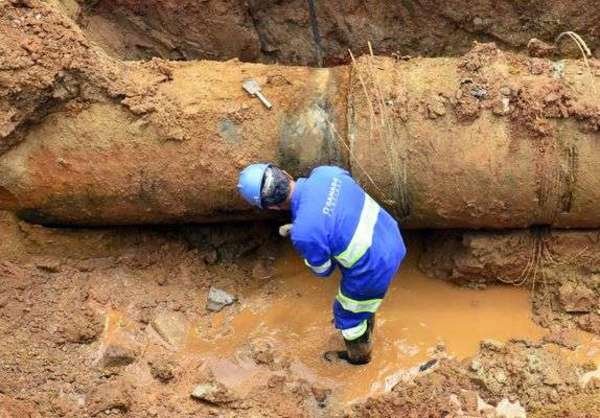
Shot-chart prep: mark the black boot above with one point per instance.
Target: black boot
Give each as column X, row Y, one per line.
column 358, row 351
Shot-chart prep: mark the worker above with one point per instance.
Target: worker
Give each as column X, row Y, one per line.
column 335, row 223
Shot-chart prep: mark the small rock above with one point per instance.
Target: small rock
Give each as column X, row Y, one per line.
column 505, row 91
column 552, row 97
column 551, row 377
column 218, row 299
column 48, row 264
column 263, row 269
column 84, row 328
column 211, row 257
column 479, row 92
column 436, row 108
column 576, row 297
column 501, row 107
column 427, row 365
column 176, row 134
column 539, row 49
column 162, row 370
column 109, row 396
column 262, row 353
column 171, row 326
column 478, row 22
column 590, row 322
column 320, row 395
column 214, row 393
column 115, row 355
column 500, row 376
column 469, row 402
column 492, row 345
column 510, row 410
column 475, row 364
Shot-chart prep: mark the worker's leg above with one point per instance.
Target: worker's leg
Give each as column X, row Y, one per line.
column 354, row 310
column 356, row 322
column 358, row 351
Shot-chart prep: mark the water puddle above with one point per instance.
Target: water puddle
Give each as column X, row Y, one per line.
column 293, row 313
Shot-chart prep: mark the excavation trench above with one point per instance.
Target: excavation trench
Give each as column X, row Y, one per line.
column 490, row 139
column 272, row 31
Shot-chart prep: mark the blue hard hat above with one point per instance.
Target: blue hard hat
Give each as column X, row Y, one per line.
column 250, row 183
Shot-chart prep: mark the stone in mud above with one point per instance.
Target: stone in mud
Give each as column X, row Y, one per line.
column 170, row 326
column 576, row 297
column 508, row 409
column 49, row 265
column 117, row 355
column 540, row 49
column 263, row 269
column 162, row 370
column 218, row 299
column 110, row 396
column 492, row 345
column 212, row 392
column 321, row 395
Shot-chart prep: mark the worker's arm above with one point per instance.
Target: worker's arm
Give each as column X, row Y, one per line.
column 316, row 256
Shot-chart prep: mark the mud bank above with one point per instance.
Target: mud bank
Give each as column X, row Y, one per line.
column 561, row 269
column 120, row 327
column 271, row 31
column 492, row 139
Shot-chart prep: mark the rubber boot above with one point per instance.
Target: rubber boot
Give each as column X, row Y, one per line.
column 358, row 351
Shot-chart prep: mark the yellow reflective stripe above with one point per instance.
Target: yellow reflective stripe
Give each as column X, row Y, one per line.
column 319, row 269
column 363, row 236
column 357, row 306
column 355, row 332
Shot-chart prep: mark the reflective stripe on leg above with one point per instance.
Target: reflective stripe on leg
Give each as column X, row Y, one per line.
column 319, row 269
column 355, row 332
column 356, row 306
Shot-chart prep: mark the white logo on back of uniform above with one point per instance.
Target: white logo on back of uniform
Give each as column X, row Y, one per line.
column 332, row 196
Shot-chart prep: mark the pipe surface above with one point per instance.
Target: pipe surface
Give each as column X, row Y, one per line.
column 490, row 140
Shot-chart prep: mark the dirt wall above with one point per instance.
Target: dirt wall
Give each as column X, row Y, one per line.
column 275, row 31
column 560, row 268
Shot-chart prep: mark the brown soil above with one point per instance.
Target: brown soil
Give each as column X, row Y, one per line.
column 561, row 268
column 274, row 31
column 113, row 322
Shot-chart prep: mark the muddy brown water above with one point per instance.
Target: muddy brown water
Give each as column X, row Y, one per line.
column 292, row 315
column 418, row 314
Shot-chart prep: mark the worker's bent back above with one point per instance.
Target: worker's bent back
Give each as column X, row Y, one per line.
column 337, row 223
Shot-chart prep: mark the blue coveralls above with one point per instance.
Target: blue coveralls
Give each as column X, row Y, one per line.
column 336, row 223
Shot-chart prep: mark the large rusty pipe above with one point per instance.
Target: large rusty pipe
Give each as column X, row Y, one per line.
column 490, row 140
column 101, row 164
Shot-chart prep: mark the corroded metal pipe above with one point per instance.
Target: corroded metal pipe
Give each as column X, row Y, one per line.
column 490, row 140
column 103, row 164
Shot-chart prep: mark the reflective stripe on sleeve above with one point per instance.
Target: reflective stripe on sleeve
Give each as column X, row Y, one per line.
column 319, row 269
column 363, row 235
column 355, row 332
column 357, row 306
